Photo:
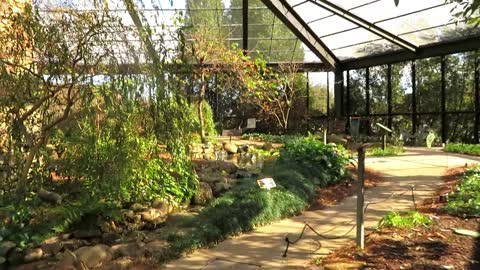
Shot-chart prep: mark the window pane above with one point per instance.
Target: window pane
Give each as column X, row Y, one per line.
column 429, row 84
column 318, row 93
column 460, row 82
column 461, row 127
column 357, row 87
column 378, row 90
column 402, row 87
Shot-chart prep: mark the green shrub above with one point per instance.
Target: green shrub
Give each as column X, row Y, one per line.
column 246, row 205
column 315, row 160
column 469, row 149
column 49, row 220
column 466, row 199
column 209, row 122
column 271, row 138
column 120, row 165
column 410, row 219
column 389, row 151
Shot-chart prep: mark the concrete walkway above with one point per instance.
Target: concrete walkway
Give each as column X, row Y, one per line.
column 263, row 247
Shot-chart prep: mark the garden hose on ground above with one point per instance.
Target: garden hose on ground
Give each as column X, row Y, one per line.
column 322, row 235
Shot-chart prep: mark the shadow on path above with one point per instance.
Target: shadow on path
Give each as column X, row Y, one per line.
column 476, row 254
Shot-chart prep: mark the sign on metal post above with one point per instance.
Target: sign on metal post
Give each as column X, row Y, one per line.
column 360, row 198
column 266, row 183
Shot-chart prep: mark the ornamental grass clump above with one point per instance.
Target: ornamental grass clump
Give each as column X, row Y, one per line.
column 462, row 148
column 465, row 200
column 303, row 166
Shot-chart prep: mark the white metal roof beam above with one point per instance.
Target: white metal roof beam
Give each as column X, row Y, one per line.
column 347, row 15
column 300, row 28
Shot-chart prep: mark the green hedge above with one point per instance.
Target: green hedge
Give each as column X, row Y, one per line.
column 271, row 138
column 469, row 149
column 389, row 151
column 303, row 165
column 466, row 198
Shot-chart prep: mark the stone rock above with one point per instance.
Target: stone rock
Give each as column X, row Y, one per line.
column 133, row 249
column 94, row 256
column 231, row 148
column 204, row 194
column 49, row 196
column 245, row 174
column 156, row 248
column 268, row 146
column 222, row 186
column 351, row 265
column 110, row 238
column 137, row 218
column 211, row 177
column 161, row 205
column 86, row 234
column 228, row 167
column 65, row 236
column 137, row 207
column 70, row 261
column 51, row 247
column 154, row 215
column 129, row 214
column 123, row 263
column 110, row 227
column 74, row 244
column 179, row 219
column 43, row 265
column 6, row 247
column 33, row 255
column 243, row 148
column 15, row 256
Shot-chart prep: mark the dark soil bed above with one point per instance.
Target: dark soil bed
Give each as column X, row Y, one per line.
column 433, row 247
column 333, row 194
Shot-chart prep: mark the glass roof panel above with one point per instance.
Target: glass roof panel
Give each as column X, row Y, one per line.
column 310, row 12
column 357, row 36
column 420, row 22
column 386, row 9
column 365, row 49
column 352, row 4
column 331, row 25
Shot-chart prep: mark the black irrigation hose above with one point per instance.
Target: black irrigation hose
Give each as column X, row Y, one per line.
column 317, row 233
column 322, row 235
column 413, row 198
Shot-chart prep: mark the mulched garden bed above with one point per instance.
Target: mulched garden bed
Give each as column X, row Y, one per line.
column 334, row 194
column 433, row 247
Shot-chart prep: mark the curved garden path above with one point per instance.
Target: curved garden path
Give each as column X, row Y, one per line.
column 263, row 247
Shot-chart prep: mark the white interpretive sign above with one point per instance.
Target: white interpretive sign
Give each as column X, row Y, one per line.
column 266, row 183
column 251, row 123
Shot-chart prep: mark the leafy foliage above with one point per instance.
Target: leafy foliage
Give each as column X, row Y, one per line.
column 316, row 160
column 271, row 137
column 469, row 149
column 468, row 10
column 209, row 123
column 246, row 205
column 389, row 151
column 410, row 219
column 466, row 198
column 32, row 224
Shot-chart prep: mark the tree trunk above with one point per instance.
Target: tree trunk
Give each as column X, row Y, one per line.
column 23, row 177
column 201, row 97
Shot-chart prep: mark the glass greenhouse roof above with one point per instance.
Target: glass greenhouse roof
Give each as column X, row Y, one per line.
column 339, row 29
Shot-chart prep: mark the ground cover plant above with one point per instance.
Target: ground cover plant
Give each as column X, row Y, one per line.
column 273, row 138
column 389, row 151
column 465, row 200
column 408, row 220
column 469, row 149
column 436, row 246
column 246, row 206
